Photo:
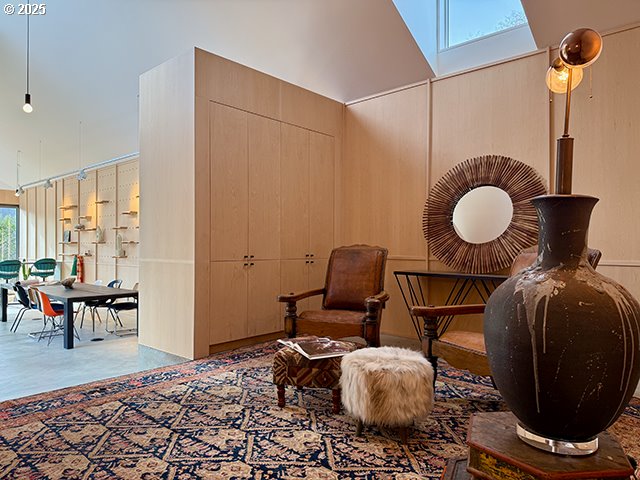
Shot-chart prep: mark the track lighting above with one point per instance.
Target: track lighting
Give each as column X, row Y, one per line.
column 82, row 175
column 19, row 191
column 48, row 184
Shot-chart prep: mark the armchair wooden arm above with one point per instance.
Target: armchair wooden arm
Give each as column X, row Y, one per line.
column 444, row 310
column 378, row 300
column 296, row 297
column 374, row 304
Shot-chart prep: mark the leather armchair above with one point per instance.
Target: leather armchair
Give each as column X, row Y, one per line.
column 464, row 349
column 353, row 297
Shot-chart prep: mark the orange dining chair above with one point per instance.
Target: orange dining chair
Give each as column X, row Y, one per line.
column 51, row 313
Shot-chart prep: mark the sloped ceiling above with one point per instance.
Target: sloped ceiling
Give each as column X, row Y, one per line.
column 87, row 55
column 551, row 20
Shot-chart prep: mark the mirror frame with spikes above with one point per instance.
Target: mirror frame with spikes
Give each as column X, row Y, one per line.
column 520, row 181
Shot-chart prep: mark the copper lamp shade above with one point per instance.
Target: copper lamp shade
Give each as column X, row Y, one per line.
column 558, row 77
column 580, row 48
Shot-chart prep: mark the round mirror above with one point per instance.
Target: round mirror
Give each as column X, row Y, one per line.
column 479, row 215
column 483, row 214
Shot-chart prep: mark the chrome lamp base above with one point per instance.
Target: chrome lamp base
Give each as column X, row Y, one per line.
column 561, row 447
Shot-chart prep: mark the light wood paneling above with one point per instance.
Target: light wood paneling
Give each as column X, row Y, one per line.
column 310, row 110
column 87, row 210
column 264, row 187
column 32, row 223
column 228, row 302
column 384, row 170
column 167, row 181
column 128, row 215
column 317, row 277
column 294, row 184
column 8, row 197
column 263, row 288
column 24, row 227
column 321, row 194
column 229, row 186
column 51, row 218
column 41, row 222
column 294, row 278
column 107, row 220
column 224, row 81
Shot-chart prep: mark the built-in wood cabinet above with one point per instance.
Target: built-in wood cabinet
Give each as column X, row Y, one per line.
column 272, row 218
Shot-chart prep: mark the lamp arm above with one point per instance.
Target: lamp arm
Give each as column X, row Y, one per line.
column 567, row 107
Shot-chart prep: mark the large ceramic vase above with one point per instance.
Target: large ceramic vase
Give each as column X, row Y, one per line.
column 563, row 340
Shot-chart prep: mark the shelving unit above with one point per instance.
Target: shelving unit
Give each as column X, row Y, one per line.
column 67, row 243
column 92, row 229
column 67, row 207
column 130, row 212
column 119, row 228
column 101, row 202
column 118, row 256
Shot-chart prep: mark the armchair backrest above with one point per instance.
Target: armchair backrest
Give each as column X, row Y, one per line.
column 22, row 295
column 44, row 265
column 10, row 269
column 353, row 274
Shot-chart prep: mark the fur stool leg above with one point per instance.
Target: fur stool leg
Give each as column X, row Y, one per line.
column 387, row 386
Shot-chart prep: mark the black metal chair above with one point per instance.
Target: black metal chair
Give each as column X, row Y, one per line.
column 25, row 306
column 116, row 307
column 93, row 305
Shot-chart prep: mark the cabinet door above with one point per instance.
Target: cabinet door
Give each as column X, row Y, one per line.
column 264, row 187
column 294, row 278
column 264, row 287
column 294, row 187
column 321, row 194
column 228, row 302
column 317, row 276
column 229, row 186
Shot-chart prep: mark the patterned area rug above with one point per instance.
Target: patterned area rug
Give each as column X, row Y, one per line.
column 218, row 419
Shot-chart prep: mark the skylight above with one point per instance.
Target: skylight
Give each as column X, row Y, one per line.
column 463, row 21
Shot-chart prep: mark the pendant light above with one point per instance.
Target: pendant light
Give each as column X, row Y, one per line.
column 27, row 108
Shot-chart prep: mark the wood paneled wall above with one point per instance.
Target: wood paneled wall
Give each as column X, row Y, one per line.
column 503, row 109
column 43, row 222
column 176, row 101
column 8, row 197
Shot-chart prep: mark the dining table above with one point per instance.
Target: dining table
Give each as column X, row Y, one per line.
column 80, row 292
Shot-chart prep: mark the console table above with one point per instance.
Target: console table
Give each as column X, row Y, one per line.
column 414, row 294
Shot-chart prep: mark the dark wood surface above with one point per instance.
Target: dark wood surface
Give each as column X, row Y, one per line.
column 496, row 453
column 4, row 298
column 456, row 469
column 81, row 292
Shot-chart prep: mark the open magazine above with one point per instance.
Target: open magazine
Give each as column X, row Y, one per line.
column 315, row 348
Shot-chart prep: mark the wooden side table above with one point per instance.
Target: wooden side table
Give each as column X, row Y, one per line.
column 496, row 453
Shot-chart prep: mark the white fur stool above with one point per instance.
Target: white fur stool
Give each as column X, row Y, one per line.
column 387, row 386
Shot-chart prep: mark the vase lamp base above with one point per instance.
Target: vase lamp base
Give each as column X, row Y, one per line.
column 561, row 447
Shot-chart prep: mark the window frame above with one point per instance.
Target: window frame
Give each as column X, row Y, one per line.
column 17, row 210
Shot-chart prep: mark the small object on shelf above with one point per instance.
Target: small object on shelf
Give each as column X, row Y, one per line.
column 99, row 234
column 137, row 196
column 101, row 202
column 78, row 226
column 64, row 219
column 131, row 242
column 66, row 236
column 85, row 229
column 119, row 228
column 67, row 243
column 119, row 251
column 84, row 217
column 88, row 253
column 129, row 212
column 118, row 256
column 68, row 282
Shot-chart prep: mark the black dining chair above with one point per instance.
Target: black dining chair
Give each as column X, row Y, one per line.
column 116, row 307
column 25, row 305
column 93, row 305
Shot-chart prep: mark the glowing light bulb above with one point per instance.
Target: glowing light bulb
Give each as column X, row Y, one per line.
column 27, row 108
column 558, row 77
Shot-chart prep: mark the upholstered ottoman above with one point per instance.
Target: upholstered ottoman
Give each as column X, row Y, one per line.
column 292, row 368
column 387, row 386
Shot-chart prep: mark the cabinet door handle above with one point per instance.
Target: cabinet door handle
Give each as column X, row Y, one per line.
column 245, row 264
column 251, row 264
column 311, row 254
column 311, row 261
column 246, row 256
column 250, row 256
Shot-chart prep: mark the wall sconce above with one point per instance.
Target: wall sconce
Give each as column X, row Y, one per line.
column 578, row 50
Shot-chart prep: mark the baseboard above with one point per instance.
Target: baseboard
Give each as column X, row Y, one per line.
column 221, row 347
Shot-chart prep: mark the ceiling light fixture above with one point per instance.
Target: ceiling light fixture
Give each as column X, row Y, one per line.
column 19, row 189
column 27, row 108
column 82, row 175
column 48, row 184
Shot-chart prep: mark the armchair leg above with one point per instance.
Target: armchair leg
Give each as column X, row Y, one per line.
column 434, row 363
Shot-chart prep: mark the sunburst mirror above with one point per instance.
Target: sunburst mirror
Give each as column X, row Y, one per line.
column 478, row 216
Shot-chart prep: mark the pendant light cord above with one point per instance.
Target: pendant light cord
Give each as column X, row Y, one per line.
column 28, row 53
